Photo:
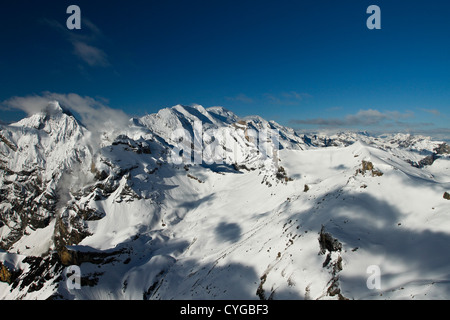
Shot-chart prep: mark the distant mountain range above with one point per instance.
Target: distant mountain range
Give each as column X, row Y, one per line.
column 198, row 203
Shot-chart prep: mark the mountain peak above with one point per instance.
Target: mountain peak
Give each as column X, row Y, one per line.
column 53, row 108
column 54, row 120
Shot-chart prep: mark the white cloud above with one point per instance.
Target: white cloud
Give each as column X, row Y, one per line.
column 94, row 114
column 434, row 112
column 241, row 98
column 30, row 105
column 287, row 98
column 369, row 117
column 91, row 55
column 284, row 98
column 83, row 42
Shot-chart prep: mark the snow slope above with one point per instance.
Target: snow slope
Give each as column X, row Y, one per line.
column 308, row 222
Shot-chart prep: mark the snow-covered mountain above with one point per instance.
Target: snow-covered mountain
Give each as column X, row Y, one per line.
column 198, row 203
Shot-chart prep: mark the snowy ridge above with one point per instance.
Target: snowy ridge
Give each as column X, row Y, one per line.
column 39, row 136
column 306, row 222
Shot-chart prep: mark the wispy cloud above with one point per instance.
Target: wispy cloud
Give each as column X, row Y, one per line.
column 434, row 112
column 369, row 117
column 95, row 115
column 241, row 98
column 84, row 42
column 337, row 108
column 289, row 98
column 30, row 105
column 91, row 55
column 286, row 98
column 436, row 133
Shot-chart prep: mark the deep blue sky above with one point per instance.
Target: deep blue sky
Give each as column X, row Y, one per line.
column 306, row 64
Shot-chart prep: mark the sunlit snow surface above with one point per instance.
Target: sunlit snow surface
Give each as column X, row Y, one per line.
column 213, row 232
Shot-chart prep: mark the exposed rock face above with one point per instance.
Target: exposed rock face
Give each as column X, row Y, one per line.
column 70, row 256
column 30, row 204
column 333, row 261
column 427, row 161
column 368, row 166
column 7, row 275
column 38, row 273
column 328, row 243
column 442, row 149
column 42, row 271
column 35, row 156
column 282, row 175
column 447, row 195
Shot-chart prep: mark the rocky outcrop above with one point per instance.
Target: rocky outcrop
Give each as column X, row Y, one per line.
column 11, row 145
column 71, row 256
column 7, row 275
column 333, row 262
column 328, row 243
column 427, row 161
column 30, row 203
column 37, row 155
column 368, row 166
column 442, row 149
column 282, row 175
column 139, row 147
column 41, row 271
